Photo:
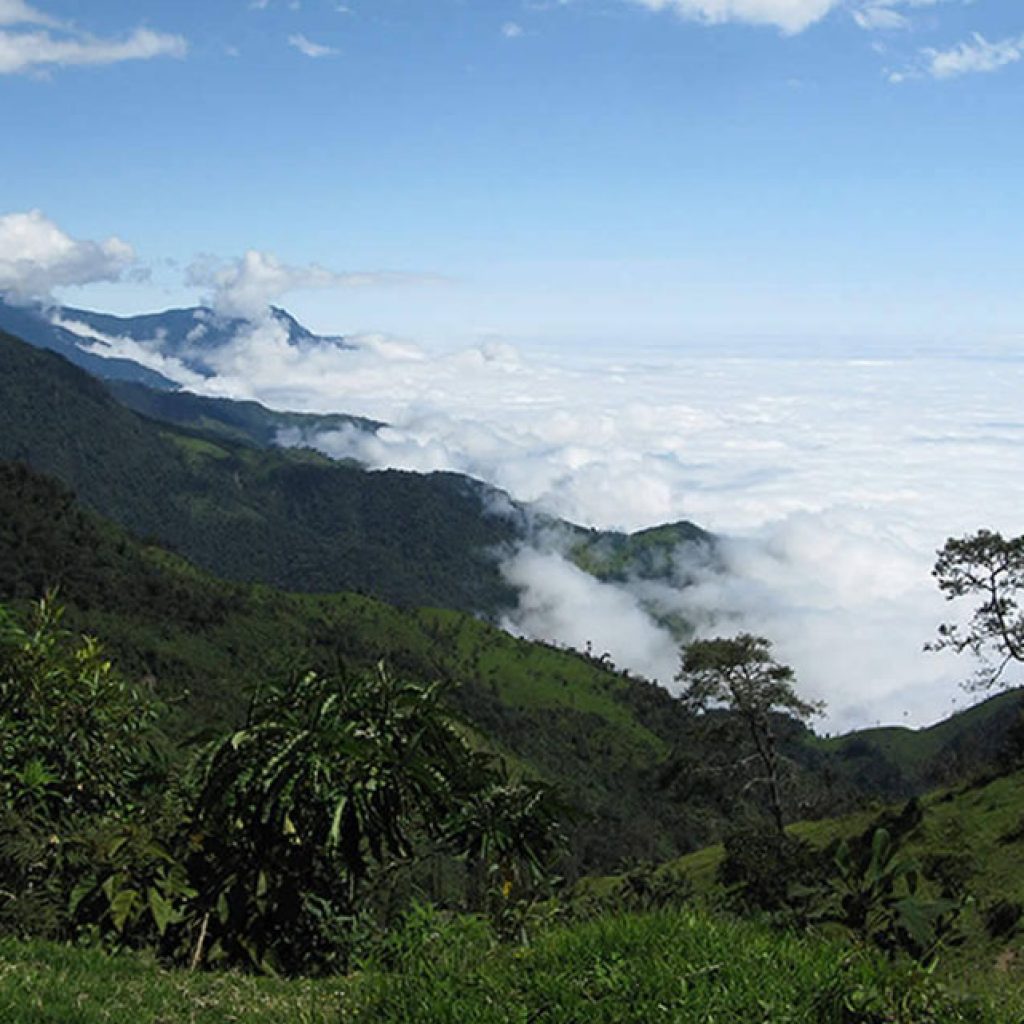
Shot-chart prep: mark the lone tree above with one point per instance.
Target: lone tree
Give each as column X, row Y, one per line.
column 741, row 674
column 988, row 566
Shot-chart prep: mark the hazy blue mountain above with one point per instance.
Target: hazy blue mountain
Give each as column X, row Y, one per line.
column 190, row 335
column 32, row 323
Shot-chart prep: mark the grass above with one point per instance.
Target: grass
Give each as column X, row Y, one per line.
column 679, row 966
column 44, row 983
column 675, row 967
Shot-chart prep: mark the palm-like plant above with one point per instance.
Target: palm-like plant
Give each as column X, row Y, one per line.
column 327, row 779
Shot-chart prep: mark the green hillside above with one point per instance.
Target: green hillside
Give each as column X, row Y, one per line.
column 231, row 420
column 895, row 762
column 621, row 748
column 204, row 643
column 971, row 835
column 290, row 518
column 201, row 477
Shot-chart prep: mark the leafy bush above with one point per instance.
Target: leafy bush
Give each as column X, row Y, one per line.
column 76, row 748
column 307, row 812
column 764, row 870
column 877, row 897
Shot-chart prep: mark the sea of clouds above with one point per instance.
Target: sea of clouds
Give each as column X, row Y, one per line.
column 833, row 475
column 832, row 470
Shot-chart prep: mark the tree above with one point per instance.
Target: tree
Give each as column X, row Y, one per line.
column 328, row 778
column 988, row 566
column 740, row 673
column 334, row 783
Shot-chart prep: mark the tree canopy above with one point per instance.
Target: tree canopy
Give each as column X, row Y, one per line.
column 741, row 674
column 990, row 568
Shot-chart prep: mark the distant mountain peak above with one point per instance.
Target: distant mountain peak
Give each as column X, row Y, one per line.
column 145, row 348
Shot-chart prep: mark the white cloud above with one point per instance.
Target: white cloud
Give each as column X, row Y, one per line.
column 967, row 57
column 977, row 54
column 36, row 256
column 511, row 30
column 309, row 48
column 835, row 476
column 560, row 603
column 16, row 12
column 146, row 351
column 889, row 14
column 880, row 16
column 42, row 49
column 791, row 16
column 247, row 286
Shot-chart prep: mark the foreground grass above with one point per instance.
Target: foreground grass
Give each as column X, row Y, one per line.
column 679, row 966
column 44, row 983
column 674, row 966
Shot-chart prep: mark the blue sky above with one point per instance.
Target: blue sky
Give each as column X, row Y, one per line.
column 569, row 242
column 590, row 170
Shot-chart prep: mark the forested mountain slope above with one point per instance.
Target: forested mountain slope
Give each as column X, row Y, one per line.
column 205, row 644
column 287, row 517
column 291, row 518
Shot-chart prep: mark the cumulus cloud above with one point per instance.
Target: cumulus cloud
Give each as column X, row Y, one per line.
column 791, row 16
column 247, row 286
column 36, row 256
column 48, row 43
column 309, row 48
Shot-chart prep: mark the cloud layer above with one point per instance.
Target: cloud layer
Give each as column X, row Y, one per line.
column 835, row 475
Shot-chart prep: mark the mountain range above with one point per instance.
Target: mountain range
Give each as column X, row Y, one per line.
column 178, row 528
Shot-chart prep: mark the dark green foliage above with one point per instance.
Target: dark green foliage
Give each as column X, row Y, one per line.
column 74, row 736
column 741, row 674
column 762, row 870
column 76, row 754
column 246, row 422
column 290, row 518
column 1002, row 918
column 876, row 895
column 305, row 814
column 989, row 568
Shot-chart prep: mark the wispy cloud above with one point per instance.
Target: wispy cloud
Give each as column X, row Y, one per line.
column 247, row 286
column 309, row 48
column 970, row 56
column 891, row 14
column 791, row 16
column 511, row 30
column 48, row 43
column 16, row 12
